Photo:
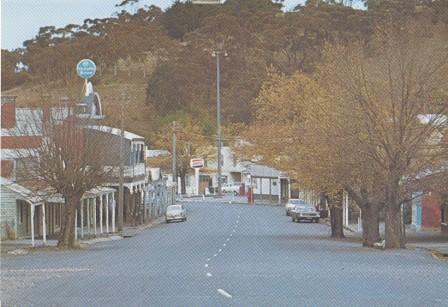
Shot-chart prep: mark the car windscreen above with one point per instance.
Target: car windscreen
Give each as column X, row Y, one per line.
column 308, row 208
column 174, row 208
column 296, row 202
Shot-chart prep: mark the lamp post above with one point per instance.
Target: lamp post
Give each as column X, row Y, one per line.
column 174, row 165
column 217, row 53
column 121, row 168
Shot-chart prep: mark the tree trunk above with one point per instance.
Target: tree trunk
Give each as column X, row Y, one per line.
column 394, row 231
column 137, row 208
column 370, row 225
column 183, row 188
column 67, row 234
column 133, row 216
column 323, row 205
column 337, row 230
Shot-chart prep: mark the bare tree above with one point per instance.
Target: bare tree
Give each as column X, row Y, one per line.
column 389, row 86
column 63, row 160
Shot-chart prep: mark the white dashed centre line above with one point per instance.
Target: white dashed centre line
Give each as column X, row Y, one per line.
column 224, row 293
column 208, row 274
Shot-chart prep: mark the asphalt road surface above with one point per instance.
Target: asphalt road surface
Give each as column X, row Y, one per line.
column 226, row 255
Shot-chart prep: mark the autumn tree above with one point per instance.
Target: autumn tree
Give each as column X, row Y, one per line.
column 290, row 133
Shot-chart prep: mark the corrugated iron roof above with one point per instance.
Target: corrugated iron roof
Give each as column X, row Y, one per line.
column 115, row 131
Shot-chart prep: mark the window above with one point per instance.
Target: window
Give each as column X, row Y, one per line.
column 142, row 154
column 19, row 212
column 445, row 212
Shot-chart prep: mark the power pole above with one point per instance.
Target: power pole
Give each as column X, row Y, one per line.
column 217, row 53
column 174, row 164
column 121, row 179
column 218, row 120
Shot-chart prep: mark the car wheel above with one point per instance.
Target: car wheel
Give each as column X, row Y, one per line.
column 185, row 219
column 317, row 220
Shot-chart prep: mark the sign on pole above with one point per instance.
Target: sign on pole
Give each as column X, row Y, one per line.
column 86, row 68
column 197, row 163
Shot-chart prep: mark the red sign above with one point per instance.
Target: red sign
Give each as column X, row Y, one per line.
column 197, row 163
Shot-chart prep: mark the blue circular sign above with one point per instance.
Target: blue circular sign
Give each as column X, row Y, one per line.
column 86, row 68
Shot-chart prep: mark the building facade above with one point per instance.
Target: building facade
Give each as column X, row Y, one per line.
column 27, row 213
column 430, row 211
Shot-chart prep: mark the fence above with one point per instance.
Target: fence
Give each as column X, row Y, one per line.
column 158, row 196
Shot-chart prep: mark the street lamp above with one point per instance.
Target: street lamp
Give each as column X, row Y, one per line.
column 217, row 53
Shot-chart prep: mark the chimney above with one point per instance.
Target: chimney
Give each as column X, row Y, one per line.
column 8, row 112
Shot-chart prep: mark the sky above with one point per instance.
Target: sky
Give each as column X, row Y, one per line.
column 21, row 19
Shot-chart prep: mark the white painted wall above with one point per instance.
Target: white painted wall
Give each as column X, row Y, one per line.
column 8, row 210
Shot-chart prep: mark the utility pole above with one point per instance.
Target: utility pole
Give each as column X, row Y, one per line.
column 217, row 53
column 174, row 164
column 121, row 179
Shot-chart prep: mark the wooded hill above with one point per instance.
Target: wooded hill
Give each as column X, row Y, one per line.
column 162, row 59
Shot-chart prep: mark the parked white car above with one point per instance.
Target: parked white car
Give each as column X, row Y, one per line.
column 175, row 213
column 292, row 203
column 231, row 188
column 305, row 212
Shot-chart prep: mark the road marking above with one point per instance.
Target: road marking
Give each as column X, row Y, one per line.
column 219, row 250
column 231, row 234
column 234, row 230
column 208, row 259
column 206, row 265
column 224, row 244
column 228, row 239
column 215, row 255
column 209, row 274
column 47, row 270
column 224, row 293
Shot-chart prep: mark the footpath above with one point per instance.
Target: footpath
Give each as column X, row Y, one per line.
column 433, row 241
column 24, row 247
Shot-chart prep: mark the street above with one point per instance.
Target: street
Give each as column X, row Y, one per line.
column 226, row 255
